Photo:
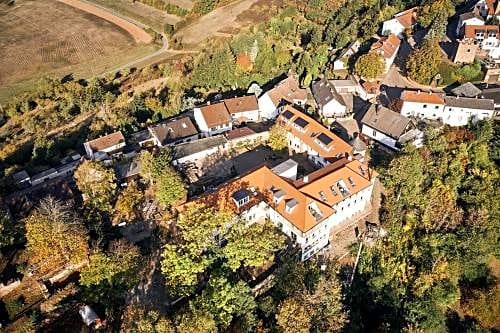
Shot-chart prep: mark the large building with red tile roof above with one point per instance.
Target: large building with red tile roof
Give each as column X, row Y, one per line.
column 487, row 36
column 306, row 135
column 306, row 209
column 213, row 118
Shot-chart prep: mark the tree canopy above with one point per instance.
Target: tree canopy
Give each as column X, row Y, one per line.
column 370, row 66
column 278, row 138
column 423, row 64
column 97, row 184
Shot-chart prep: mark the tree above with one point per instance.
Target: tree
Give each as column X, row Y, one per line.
column 128, row 201
column 195, row 320
column 423, row 64
column 277, row 138
column 138, row 320
column 97, row 184
column 252, row 246
column 370, row 66
column 169, row 187
column 10, row 232
column 154, row 165
column 227, row 301
column 293, row 316
column 55, row 237
column 435, row 10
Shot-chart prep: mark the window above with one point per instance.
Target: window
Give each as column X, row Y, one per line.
column 374, row 133
column 425, row 106
column 436, row 107
column 322, row 195
column 243, row 201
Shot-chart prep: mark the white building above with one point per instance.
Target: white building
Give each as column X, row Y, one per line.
column 470, row 18
column 287, row 91
column 213, row 119
column 308, row 209
column 197, row 150
column 173, row 132
column 458, row 111
column 108, row 144
column 330, row 103
column 400, row 23
column 453, row 111
column 341, row 62
column 427, row 105
column 243, row 109
column 390, row 128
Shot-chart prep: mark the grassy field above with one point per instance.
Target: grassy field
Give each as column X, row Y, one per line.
column 44, row 37
column 147, row 15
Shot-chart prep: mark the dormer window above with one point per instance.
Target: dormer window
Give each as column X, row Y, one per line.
column 315, row 211
column 290, row 205
column 300, row 124
column 241, row 197
column 351, row 181
column 322, row 195
column 342, row 188
column 278, row 196
column 333, row 190
column 363, row 172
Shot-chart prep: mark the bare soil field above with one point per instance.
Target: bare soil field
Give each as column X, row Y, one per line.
column 46, row 37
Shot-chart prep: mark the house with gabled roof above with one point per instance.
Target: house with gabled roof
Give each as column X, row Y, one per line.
column 288, row 91
column 400, row 23
column 173, row 131
column 243, row 109
column 330, row 103
column 420, row 104
column 213, row 118
column 469, row 18
column 306, row 135
column 390, row 128
column 307, row 209
column 487, row 36
column 108, row 144
column 341, row 62
column 387, row 47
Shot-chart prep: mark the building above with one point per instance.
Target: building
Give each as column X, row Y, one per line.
column 21, row 179
column 492, row 93
column 243, row 109
column 44, row 176
column 492, row 75
column 487, row 36
column 466, row 51
column 307, row 209
column 287, row 91
column 400, row 23
column 470, row 18
column 466, row 89
column 306, row 135
column 459, row 111
column 489, row 8
column 387, row 47
column 342, row 61
column 427, row 105
column 451, row 110
column 213, row 119
column 359, row 148
column 191, row 152
column 390, row 128
column 330, row 103
column 173, row 132
column 108, row 144
column 245, row 135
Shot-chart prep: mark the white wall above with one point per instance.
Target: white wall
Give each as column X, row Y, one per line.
column 266, row 107
column 379, row 136
column 393, row 26
column 422, row 110
column 200, row 120
column 249, row 115
column 471, row 21
column 333, row 108
column 456, row 116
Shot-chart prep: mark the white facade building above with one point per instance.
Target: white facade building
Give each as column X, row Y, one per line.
column 107, row 144
column 458, row 111
column 213, row 119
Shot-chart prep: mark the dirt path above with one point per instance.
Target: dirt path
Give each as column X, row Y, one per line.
column 210, row 24
column 135, row 31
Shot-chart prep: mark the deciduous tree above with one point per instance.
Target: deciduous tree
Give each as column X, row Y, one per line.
column 370, row 66
column 97, row 184
column 128, row 201
column 423, row 64
column 293, row 316
column 278, row 138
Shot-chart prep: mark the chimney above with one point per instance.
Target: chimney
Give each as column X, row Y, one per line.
column 418, row 92
column 306, row 179
column 208, row 103
column 430, row 92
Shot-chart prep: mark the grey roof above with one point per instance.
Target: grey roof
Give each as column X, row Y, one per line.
column 466, row 90
column 343, row 83
column 323, row 92
column 492, row 93
column 68, row 166
column 358, row 144
column 470, row 103
column 469, row 15
column 20, row 176
column 240, row 194
column 44, row 174
column 348, row 100
column 129, row 168
column 196, row 146
column 285, row 166
column 141, row 136
column 386, row 121
column 174, row 130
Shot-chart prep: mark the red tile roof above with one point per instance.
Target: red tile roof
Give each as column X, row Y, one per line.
column 408, row 18
column 313, row 129
column 386, row 46
column 471, row 30
column 262, row 184
column 242, row 104
column 239, row 133
column 106, row 141
column 215, row 114
column 289, row 90
column 422, row 97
